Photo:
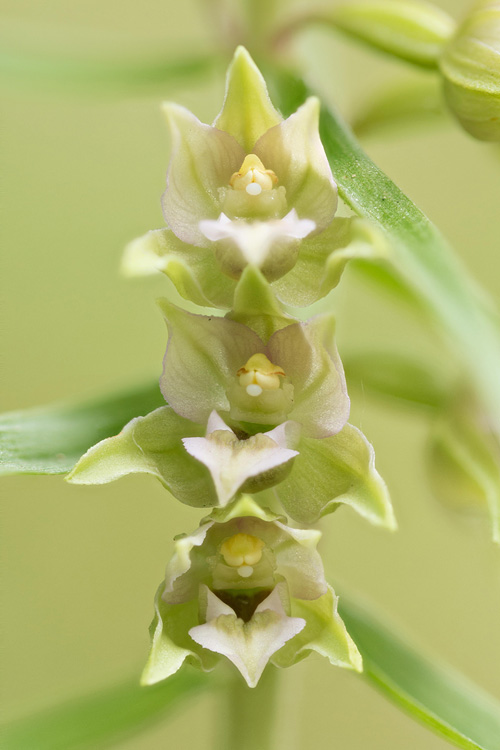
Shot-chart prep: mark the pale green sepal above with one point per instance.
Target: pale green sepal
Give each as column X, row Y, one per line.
column 203, row 160
column 150, row 445
column 323, row 257
column 256, row 306
column 471, row 69
column 146, row 255
column 324, row 633
column 247, row 111
column 293, row 150
column 412, row 30
column 242, row 507
column 171, row 644
column 343, row 467
column 193, row 270
column 464, row 463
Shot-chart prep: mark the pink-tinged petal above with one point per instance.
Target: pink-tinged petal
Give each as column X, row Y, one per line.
column 203, row 160
column 299, row 563
column 293, row 150
column 309, row 357
column 249, row 645
column 203, row 355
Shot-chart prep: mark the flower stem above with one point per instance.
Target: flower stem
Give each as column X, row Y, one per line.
column 250, row 713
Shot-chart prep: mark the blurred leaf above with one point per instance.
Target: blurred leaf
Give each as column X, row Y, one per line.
column 407, row 104
column 412, row 30
column 93, row 76
column 430, row 692
column 464, row 461
column 51, row 439
column 421, row 261
column 396, row 375
column 97, row 720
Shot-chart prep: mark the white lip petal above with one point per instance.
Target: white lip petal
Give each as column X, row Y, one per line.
column 256, row 238
column 248, row 645
column 232, row 462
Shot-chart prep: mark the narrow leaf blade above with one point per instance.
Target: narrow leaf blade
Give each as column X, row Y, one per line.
column 96, row 720
column 98, row 76
column 436, row 695
column 51, row 439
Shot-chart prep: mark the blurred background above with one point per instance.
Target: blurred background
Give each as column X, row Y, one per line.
column 83, row 174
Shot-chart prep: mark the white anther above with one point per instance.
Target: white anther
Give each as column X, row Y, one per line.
column 253, row 389
column 253, row 188
column 245, row 571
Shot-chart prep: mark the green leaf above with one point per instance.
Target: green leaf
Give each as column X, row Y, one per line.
column 421, row 260
column 87, row 75
column 51, row 439
column 429, row 691
column 95, row 720
column 396, row 375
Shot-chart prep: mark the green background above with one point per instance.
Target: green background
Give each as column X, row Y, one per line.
column 82, row 175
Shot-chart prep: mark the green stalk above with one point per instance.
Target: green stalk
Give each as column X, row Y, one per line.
column 250, row 713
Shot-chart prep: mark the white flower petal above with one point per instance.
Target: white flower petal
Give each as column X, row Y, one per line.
column 249, row 645
column 231, row 461
column 255, row 239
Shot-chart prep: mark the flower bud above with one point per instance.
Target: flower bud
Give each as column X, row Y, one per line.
column 471, row 68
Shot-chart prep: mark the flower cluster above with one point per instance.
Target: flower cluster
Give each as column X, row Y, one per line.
column 257, row 400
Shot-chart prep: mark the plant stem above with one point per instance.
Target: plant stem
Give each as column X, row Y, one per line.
column 250, row 713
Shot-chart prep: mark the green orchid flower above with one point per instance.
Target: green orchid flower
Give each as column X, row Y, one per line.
column 199, row 470
column 247, row 587
column 214, row 362
column 252, row 189
column 222, row 364
column 218, row 374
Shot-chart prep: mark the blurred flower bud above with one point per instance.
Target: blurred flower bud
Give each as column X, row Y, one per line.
column 471, row 68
